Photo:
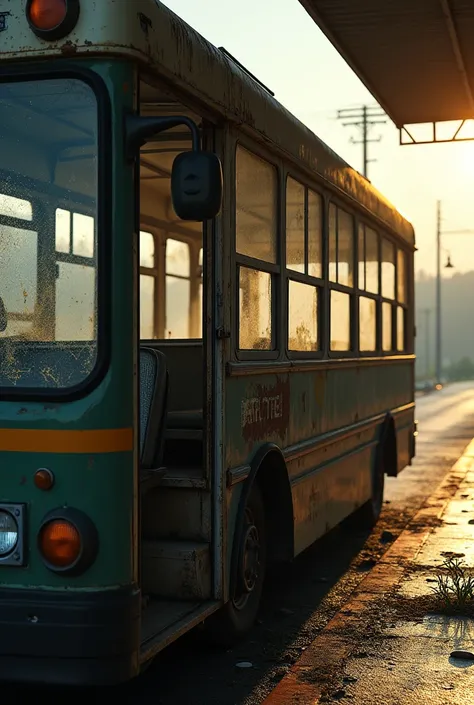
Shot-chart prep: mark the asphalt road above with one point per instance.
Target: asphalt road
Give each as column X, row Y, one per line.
column 300, row 600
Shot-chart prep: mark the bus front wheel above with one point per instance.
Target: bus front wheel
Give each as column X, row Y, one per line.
column 238, row 615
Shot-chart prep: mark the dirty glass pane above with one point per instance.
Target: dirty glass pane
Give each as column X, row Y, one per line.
column 402, row 277
column 315, row 235
column 371, row 261
column 256, row 207
column 340, row 321
column 49, row 148
column 15, row 207
column 386, row 326
column 75, row 291
column 302, row 317
column 400, row 329
column 63, row 230
column 295, row 225
column 367, row 324
column 82, row 235
column 388, row 269
column 255, row 310
column 18, row 279
column 178, row 298
column 177, row 258
column 147, row 301
column 332, row 243
column 345, row 248
column 147, row 250
column 361, row 255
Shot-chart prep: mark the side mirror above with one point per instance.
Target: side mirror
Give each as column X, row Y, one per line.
column 196, row 186
column 3, row 316
column 196, row 177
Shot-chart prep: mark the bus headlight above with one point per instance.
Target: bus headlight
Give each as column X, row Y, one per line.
column 8, row 533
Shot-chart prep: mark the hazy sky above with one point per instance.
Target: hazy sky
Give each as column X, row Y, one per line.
column 278, row 42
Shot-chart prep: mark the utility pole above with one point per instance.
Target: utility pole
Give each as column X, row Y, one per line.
column 364, row 118
column 438, row 293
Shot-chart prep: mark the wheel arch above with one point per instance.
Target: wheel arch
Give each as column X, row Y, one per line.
column 269, row 473
column 387, row 452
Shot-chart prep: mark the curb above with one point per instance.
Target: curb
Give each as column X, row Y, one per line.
column 330, row 648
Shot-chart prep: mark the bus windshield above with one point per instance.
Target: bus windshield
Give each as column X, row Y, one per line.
column 48, row 232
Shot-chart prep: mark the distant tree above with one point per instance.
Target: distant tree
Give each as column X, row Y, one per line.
column 461, row 370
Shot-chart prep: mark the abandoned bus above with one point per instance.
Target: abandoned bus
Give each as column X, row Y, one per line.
column 206, row 344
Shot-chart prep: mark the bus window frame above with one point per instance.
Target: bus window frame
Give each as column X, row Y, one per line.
column 39, row 72
column 363, row 293
column 353, row 352
column 238, row 260
column 320, row 283
column 395, row 303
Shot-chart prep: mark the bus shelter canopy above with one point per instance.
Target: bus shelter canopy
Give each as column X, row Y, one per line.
column 416, row 57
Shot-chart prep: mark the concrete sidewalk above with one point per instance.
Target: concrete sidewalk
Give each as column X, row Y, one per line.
column 391, row 644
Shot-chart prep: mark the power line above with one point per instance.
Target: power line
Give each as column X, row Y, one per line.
column 364, row 118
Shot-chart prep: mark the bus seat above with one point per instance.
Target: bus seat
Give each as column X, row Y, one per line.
column 153, row 401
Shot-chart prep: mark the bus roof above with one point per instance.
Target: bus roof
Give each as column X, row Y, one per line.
column 148, row 32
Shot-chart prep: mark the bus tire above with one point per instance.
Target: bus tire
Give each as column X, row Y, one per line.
column 367, row 516
column 238, row 615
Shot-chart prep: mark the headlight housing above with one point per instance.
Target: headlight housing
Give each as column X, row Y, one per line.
column 9, row 533
column 12, row 534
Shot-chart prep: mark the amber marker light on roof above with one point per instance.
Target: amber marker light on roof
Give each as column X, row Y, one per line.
column 52, row 19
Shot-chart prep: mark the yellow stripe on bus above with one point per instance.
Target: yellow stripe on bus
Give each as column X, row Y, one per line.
column 113, row 440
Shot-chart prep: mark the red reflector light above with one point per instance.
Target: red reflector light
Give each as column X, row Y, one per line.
column 52, row 19
column 47, row 14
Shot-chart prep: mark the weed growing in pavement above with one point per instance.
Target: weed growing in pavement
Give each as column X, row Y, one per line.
column 454, row 587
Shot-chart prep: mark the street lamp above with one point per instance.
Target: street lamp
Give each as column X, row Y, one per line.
column 438, row 285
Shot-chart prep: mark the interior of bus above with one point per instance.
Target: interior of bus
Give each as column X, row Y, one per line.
column 171, row 288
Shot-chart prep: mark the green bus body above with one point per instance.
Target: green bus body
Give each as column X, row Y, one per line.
column 263, row 405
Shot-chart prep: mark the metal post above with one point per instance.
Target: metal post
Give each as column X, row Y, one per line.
column 427, row 312
column 438, row 294
column 364, row 138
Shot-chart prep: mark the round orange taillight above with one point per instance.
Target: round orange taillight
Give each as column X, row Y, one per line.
column 47, row 14
column 52, row 19
column 60, row 543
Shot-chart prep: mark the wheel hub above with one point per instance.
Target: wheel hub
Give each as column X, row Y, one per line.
column 249, row 563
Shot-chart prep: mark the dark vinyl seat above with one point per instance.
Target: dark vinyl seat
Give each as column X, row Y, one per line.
column 153, row 403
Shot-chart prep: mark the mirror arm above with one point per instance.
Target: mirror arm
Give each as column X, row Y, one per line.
column 139, row 129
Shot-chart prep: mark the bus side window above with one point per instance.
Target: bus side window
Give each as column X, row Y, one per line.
column 18, row 266
column 256, row 243
column 368, row 282
column 77, row 275
column 402, row 270
column 341, row 275
column 147, row 285
column 178, row 289
column 304, row 266
column 388, row 293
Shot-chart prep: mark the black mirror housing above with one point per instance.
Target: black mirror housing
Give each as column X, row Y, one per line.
column 196, row 186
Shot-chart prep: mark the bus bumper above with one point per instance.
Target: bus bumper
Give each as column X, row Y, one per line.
column 69, row 638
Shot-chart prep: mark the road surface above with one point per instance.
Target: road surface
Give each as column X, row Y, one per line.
column 300, row 600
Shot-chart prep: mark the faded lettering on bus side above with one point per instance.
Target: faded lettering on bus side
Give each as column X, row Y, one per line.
column 266, row 411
